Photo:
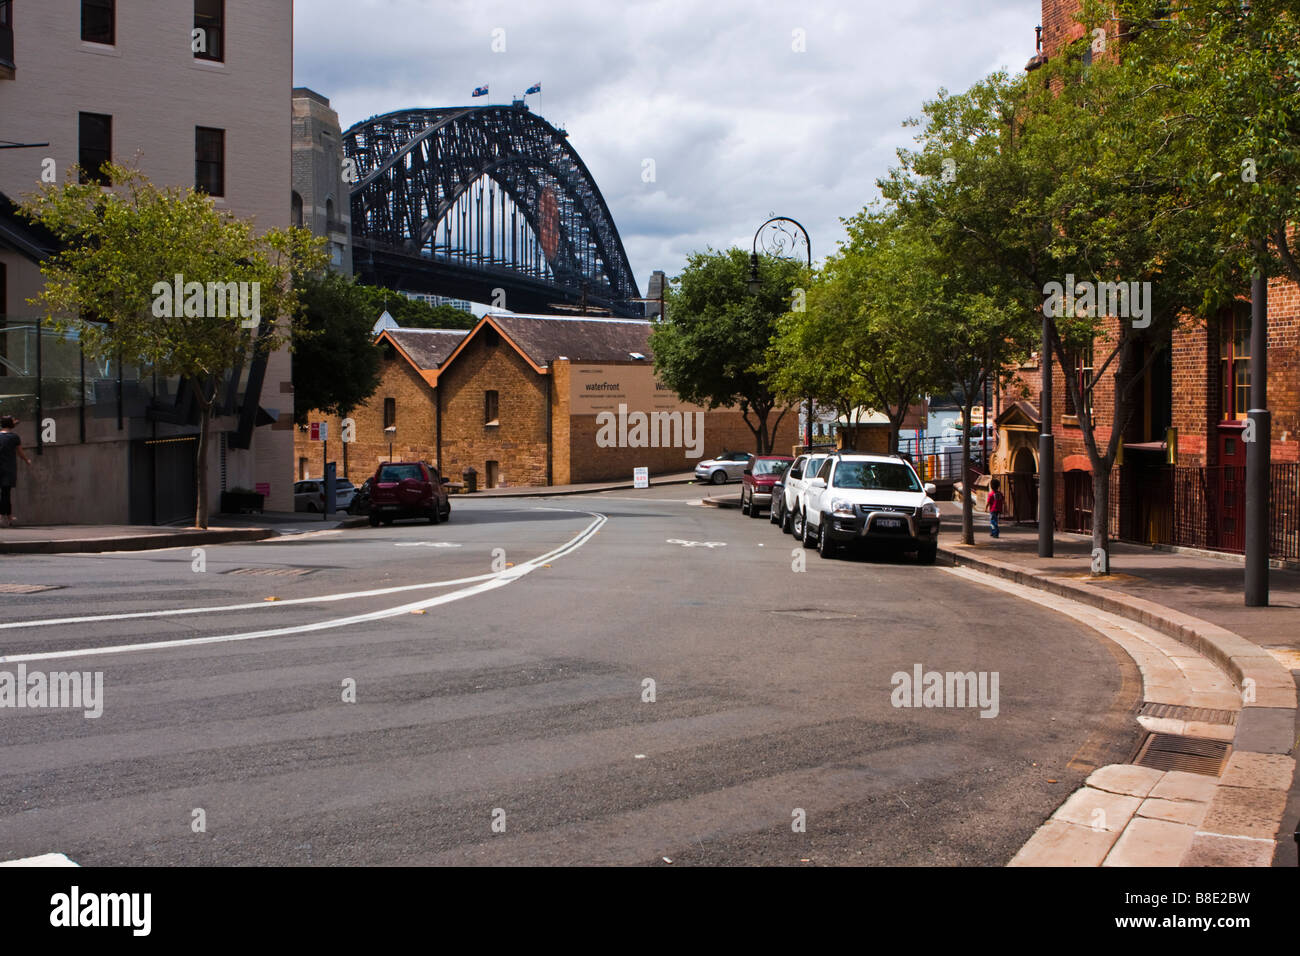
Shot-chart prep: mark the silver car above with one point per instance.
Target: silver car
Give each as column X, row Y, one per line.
column 729, row 466
column 309, row 494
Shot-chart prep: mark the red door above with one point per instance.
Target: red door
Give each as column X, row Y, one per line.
column 1231, row 491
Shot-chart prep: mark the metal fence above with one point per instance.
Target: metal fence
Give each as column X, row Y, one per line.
column 1192, row 507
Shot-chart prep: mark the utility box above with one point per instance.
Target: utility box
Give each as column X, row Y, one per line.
column 470, row 477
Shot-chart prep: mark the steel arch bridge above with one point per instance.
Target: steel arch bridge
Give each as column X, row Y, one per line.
column 464, row 201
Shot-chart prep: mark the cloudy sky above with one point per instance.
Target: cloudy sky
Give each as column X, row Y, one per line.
column 748, row 109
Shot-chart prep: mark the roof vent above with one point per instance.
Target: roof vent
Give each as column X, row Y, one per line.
column 637, row 355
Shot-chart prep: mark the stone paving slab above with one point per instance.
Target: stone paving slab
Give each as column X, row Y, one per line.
column 1148, row 842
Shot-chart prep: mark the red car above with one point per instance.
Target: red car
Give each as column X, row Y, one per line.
column 760, row 475
column 408, row 489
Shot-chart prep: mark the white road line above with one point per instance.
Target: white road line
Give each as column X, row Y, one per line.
column 45, row 859
column 492, row 582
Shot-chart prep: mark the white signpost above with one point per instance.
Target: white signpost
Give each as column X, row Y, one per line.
column 641, row 477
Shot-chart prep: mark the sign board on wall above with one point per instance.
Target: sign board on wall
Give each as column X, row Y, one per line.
column 641, row 477
column 602, row 388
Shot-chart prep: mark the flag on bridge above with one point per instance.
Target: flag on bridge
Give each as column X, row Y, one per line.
column 535, row 88
column 480, row 91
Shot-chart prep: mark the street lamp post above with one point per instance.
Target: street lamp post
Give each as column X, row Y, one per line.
column 774, row 244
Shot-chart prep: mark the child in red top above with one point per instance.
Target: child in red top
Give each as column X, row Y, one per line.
column 994, row 506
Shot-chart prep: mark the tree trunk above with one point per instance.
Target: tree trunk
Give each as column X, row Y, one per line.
column 967, row 499
column 1100, row 519
column 201, row 507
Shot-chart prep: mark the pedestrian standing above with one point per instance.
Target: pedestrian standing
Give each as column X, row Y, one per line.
column 11, row 449
column 994, row 505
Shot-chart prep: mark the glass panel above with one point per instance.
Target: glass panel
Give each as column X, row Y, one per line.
column 209, row 16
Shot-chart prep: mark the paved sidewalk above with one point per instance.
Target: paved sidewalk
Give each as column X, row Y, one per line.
column 94, row 538
column 535, row 491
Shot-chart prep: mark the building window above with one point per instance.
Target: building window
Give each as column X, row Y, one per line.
column 490, row 408
column 1082, row 369
column 98, row 21
column 210, row 160
column 95, row 147
column 1234, row 365
column 295, row 210
column 390, row 412
column 210, row 30
column 7, row 35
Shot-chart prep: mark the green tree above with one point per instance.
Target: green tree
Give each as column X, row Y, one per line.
column 411, row 313
column 124, row 246
column 711, row 348
column 336, row 366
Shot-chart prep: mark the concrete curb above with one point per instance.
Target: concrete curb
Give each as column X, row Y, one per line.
column 1238, row 821
column 143, row 542
column 726, row 501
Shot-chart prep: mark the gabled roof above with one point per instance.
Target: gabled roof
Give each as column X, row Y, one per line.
column 1021, row 414
column 540, row 339
column 425, row 349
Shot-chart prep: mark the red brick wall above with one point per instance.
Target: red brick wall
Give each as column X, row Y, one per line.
column 518, row 443
column 416, row 427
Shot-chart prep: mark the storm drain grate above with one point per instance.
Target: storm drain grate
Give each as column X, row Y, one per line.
column 27, row 588
column 1205, row 715
column 273, row 572
column 1176, row 752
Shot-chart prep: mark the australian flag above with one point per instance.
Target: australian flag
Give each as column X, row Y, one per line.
column 480, row 91
column 535, row 88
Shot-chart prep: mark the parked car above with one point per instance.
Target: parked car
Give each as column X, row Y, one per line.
column 729, row 466
column 408, row 489
column 764, row 472
column 360, row 503
column 309, row 494
column 793, row 486
column 859, row 499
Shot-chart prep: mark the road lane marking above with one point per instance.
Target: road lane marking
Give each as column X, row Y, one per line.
column 487, row 582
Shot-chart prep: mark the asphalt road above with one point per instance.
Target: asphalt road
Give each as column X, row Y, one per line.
column 516, row 699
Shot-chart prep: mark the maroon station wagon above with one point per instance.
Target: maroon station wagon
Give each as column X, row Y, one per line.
column 408, row 489
column 762, row 473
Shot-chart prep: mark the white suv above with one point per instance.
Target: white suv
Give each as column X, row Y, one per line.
column 870, row 498
column 793, row 486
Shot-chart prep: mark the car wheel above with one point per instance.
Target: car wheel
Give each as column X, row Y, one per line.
column 374, row 521
column 755, row 511
column 774, row 514
column 796, row 524
column 927, row 555
column 744, row 505
column 787, row 521
column 825, row 546
column 807, row 538
column 718, row 478
column 388, row 522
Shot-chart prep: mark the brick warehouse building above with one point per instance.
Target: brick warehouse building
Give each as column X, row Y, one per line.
column 1181, row 479
column 405, row 399
column 519, row 399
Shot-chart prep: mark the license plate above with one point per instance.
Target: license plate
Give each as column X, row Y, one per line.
column 889, row 522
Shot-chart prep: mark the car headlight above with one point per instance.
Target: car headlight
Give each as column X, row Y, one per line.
column 842, row 507
column 929, row 510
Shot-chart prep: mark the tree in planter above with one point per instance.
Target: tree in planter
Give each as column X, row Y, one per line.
column 712, row 346
column 1068, row 171
column 966, row 328
column 123, row 244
